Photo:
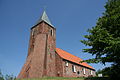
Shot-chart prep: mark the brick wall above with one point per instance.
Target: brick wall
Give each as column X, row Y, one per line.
column 40, row 61
column 59, row 66
column 62, row 70
column 68, row 70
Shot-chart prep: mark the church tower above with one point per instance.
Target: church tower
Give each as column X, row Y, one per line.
column 40, row 60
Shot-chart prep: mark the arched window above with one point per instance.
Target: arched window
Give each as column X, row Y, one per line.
column 66, row 63
column 73, row 68
column 51, row 32
column 91, row 72
column 84, row 71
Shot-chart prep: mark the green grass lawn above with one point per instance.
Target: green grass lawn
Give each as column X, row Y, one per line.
column 65, row 78
column 55, row 78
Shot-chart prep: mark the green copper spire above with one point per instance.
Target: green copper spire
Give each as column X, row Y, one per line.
column 44, row 18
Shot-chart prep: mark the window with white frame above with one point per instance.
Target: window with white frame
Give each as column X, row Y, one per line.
column 73, row 68
column 66, row 63
column 91, row 72
column 84, row 71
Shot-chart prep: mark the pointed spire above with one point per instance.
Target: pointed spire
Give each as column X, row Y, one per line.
column 44, row 18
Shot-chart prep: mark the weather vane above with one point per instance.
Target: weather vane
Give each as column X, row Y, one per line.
column 44, row 7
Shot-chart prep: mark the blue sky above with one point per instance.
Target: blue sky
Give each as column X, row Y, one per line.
column 71, row 18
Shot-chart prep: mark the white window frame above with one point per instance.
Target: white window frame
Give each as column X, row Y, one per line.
column 84, row 71
column 74, row 68
column 66, row 63
column 91, row 72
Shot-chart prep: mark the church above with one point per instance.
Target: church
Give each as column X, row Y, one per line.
column 45, row 60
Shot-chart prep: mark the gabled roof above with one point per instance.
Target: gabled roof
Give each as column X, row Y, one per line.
column 67, row 56
column 44, row 18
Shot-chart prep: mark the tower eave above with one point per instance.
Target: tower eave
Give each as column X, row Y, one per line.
column 41, row 22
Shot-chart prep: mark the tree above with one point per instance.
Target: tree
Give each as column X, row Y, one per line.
column 9, row 77
column 104, row 38
column 1, row 76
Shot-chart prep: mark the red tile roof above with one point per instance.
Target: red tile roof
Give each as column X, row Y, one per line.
column 65, row 55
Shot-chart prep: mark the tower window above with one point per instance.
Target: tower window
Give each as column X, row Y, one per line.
column 51, row 32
